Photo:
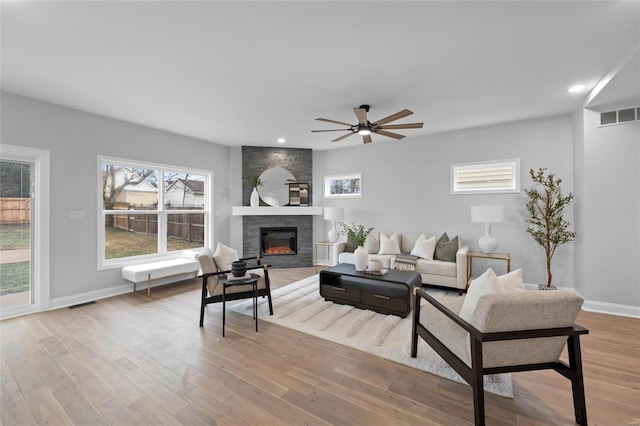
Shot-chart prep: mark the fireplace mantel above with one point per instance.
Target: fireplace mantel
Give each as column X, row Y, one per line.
column 275, row 211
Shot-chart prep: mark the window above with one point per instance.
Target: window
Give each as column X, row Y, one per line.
column 150, row 210
column 501, row 176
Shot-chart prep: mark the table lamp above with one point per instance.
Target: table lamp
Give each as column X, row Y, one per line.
column 487, row 214
column 333, row 214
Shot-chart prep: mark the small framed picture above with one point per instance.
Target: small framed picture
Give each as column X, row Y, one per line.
column 299, row 194
column 348, row 185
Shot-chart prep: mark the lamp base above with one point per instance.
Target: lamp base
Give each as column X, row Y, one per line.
column 488, row 244
column 333, row 235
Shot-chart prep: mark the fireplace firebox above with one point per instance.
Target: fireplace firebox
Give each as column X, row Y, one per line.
column 278, row 241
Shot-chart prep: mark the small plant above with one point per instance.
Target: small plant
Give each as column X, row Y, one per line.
column 546, row 224
column 254, row 179
column 356, row 233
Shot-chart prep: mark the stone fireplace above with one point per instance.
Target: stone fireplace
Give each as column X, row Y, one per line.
column 300, row 163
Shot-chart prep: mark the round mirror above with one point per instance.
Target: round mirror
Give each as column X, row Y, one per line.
column 275, row 186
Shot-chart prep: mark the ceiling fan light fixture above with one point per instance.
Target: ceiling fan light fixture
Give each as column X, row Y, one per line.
column 364, row 130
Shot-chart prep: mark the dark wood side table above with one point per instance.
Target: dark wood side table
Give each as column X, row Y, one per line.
column 226, row 283
column 480, row 255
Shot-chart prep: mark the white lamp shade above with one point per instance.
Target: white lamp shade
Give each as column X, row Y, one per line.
column 333, row 213
column 487, row 213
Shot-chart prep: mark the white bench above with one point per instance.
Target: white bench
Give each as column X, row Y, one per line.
column 160, row 269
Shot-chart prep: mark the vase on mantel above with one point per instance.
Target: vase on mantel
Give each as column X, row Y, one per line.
column 255, row 198
column 360, row 258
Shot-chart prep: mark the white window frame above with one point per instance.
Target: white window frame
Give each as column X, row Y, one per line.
column 40, row 280
column 161, row 212
column 513, row 186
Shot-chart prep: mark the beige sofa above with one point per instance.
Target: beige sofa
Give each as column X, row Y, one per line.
column 433, row 272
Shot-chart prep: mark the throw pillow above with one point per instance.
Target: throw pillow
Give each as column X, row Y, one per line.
column 512, row 281
column 486, row 283
column 224, row 256
column 446, row 249
column 389, row 245
column 351, row 246
column 425, row 247
column 372, row 244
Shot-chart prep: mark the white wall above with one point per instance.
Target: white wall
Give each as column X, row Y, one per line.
column 75, row 139
column 406, row 187
column 610, row 225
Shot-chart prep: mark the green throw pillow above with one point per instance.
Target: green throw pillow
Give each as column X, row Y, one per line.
column 446, row 249
column 351, row 246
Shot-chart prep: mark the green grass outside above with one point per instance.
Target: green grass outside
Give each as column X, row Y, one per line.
column 14, row 237
column 14, row 278
column 120, row 243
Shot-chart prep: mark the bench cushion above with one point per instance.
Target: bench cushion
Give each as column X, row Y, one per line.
column 160, row 269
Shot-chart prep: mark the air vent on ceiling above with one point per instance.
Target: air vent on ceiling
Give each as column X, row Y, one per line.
column 620, row 116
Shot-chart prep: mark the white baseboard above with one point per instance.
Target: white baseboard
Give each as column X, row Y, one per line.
column 76, row 299
column 611, row 309
column 601, row 307
column 90, row 296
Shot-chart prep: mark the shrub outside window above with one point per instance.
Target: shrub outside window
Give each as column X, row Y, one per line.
column 150, row 210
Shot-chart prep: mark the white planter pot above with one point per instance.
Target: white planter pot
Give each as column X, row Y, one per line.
column 255, row 198
column 361, row 258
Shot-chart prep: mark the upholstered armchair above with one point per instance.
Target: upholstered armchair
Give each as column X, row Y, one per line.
column 510, row 331
column 212, row 266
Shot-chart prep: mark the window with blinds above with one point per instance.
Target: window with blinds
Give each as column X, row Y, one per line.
column 501, row 176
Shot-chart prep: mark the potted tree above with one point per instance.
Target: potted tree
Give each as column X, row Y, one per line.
column 546, row 206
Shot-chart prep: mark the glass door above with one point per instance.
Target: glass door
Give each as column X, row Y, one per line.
column 16, row 234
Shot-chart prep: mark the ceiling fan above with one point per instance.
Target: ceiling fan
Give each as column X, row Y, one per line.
column 364, row 127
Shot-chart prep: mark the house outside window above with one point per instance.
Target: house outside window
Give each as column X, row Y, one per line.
column 150, row 210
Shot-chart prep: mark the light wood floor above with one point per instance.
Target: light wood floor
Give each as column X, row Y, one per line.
column 126, row 360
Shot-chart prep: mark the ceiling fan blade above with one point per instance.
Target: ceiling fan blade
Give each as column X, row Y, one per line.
column 389, row 134
column 402, row 126
column 331, row 130
column 343, row 137
column 393, row 117
column 334, row 121
column 361, row 113
column 366, row 139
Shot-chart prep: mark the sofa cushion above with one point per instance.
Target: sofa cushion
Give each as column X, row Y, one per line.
column 424, row 247
column 487, row 283
column 389, row 245
column 446, row 249
column 436, row 267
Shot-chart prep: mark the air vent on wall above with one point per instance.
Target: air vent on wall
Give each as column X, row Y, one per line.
column 620, row 116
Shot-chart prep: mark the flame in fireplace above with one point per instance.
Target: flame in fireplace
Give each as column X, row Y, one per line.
column 278, row 250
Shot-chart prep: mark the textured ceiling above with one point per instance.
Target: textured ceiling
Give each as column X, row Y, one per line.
column 247, row 73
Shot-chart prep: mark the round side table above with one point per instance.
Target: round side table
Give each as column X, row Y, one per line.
column 226, row 283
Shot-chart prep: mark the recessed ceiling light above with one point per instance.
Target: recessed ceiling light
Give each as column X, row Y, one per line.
column 577, row 88
column 281, row 140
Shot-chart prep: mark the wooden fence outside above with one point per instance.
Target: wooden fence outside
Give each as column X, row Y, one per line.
column 182, row 226
column 15, row 210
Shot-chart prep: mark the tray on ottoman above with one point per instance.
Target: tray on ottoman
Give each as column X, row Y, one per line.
column 391, row 293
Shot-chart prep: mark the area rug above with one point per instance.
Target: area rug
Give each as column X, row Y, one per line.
column 299, row 306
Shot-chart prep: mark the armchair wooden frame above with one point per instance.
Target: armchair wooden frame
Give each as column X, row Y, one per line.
column 474, row 375
column 205, row 300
